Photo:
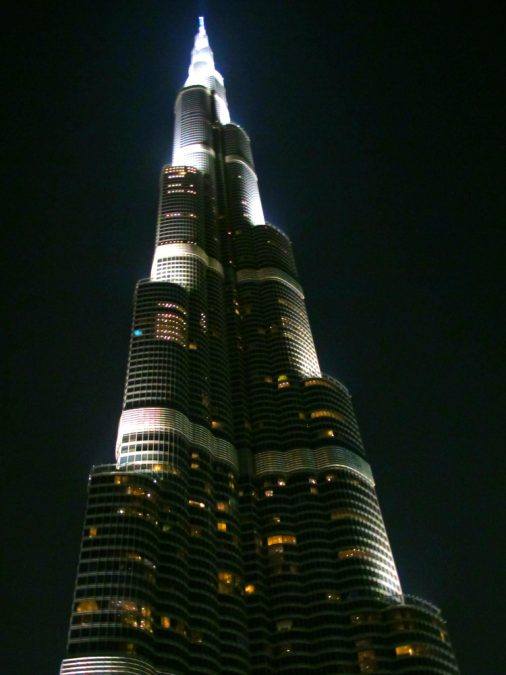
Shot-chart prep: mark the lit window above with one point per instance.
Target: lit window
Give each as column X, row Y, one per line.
column 412, row 650
column 165, row 622
column 192, row 346
column 281, row 539
column 92, row 532
column 333, row 597
column 87, row 606
column 215, row 424
column 196, row 504
column 281, row 482
column 221, row 526
column 249, row 589
column 269, row 493
column 226, row 582
column 195, row 531
column 284, row 625
column 194, row 465
column 226, row 577
column 353, row 553
column 223, row 506
column 316, row 414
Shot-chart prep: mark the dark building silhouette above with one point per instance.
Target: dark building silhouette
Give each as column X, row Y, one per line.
column 238, row 530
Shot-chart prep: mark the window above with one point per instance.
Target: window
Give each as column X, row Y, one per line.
column 366, row 660
column 221, row 526
column 92, row 532
column 165, row 622
column 215, row 424
column 223, row 506
column 326, row 433
column 353, row 553
column 412, row 650
column 316, row 414
column 226, row 582
column 284, row 625
column 281, row 539
column 332, row 596
column 87, row 606
column 344, row 514
column 249, row 589
column 196, row 504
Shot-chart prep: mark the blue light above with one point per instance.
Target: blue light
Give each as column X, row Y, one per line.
column 137, row 332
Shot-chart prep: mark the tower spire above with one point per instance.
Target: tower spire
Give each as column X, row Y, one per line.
column 202, row 71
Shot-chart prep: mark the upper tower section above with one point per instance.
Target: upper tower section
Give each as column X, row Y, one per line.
column 203, row 72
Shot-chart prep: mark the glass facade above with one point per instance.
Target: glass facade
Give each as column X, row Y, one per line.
column 238, row 530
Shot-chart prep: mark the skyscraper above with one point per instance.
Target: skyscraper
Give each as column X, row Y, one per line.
column 238, row 530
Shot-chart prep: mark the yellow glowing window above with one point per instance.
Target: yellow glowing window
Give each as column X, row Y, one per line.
column 92, row 532
column 223, row 506
column 249, row 589
column 194, row 465
column 165, row 622
column 326, row 433
column 226, row 577
column 269, row 493
column 313, row 490
column 405, row 650
column 134, row 490
column 333, row 597
column 215, row 424
column 196, row 504
column 120, row 479
column 281, row 539
column 87, row 606
column 192, row 346
column 302, row 416
column 316, row 414
column 221, row 526
column 353, row 553
column 281, row 482
column 283, row 385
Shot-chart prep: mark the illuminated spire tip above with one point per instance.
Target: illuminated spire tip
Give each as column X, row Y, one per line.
column 201, row 23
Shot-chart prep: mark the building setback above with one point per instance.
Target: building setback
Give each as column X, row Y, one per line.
column 238, row 530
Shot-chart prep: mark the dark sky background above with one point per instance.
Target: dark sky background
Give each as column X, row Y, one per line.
column 375, row 129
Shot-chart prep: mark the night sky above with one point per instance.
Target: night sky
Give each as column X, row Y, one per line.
column 375, row 130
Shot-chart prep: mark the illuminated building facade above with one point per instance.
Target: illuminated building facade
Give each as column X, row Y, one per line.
column 238, row 530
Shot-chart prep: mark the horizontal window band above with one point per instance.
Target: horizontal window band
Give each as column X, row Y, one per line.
column 182, row 250
column 306, row 459
column 269, row 274
column 138, row 420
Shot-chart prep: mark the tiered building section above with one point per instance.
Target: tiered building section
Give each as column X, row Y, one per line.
column 238, row 530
